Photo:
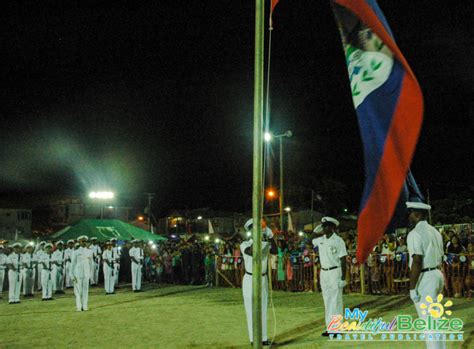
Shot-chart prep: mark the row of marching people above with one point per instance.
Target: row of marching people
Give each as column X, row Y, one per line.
column 50, row 268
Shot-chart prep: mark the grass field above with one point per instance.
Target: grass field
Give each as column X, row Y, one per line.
column 191, row 317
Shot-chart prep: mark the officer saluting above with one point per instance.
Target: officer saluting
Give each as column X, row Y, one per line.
column 425, row 247
column 332, row 254
column 246, row 249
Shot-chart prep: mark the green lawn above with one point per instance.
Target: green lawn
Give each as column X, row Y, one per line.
column 187, row 316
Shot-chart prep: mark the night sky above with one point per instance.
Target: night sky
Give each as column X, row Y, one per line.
column 157, row 96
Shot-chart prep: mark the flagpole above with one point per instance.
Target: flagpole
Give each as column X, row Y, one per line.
column 257, row 191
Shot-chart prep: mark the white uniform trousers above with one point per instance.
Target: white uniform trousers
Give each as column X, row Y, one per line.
column 247, row 293
column 46, row 283
column 431, row 283
column 332, row 294
column 14, row 280
column 29, row 278
column 116, row 273
column 67, row 276
column 2, row 277
column 136, row 276
column 57, row 275
column 96, row 271
column 109, row 279
column 38, row 275
column 81, row 290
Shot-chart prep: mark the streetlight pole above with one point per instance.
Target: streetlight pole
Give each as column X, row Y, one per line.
column 281, row 202
column 150, row 196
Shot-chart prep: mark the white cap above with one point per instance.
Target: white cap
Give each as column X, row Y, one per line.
column 135, row 240
column 48, row 245
column 70, row 241
column 330, row 220
column 113, row 240
column 42, row 243
column 76, row 244
column 82, row 237
column 318, row 229
column 248, row 224
column 16, row 244
column 1, row 246
column 418, row 205
column 60, row 242
column 93, row 238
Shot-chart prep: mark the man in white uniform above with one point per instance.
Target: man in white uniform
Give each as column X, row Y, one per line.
column 81, row 272
column 96, row 253
column 39, row 254
column 136, row 256
column 28, row 263
column 425, row 247
column 14, row 274
column 116, row 256
column 46, row 278
column 67, row 263
column 3, row 266
column 247, row 252
column 332, row 255
column 57, row 272
column 108, row 267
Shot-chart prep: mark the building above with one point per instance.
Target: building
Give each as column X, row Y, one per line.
column 15, row 223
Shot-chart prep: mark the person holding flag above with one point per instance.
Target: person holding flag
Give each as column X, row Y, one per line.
column 268, row 246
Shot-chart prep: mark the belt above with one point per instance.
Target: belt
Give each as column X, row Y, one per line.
column 246, row 272
column 326, row 269
column 428, row 269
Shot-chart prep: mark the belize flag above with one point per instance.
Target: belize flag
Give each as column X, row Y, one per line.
column 389, row 106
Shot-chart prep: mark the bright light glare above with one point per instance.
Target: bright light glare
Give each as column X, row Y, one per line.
column 153, row 246
column 199, row 217
column 217, row 241
column 31, row 243
column 267, row 136
column 300, row 233
column 249, row 234
column 287, row 209
column 101, row 195
column 206, row 238
column 150, row 242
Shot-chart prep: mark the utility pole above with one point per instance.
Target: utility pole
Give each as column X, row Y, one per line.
column 150, row 197
column 257, row 187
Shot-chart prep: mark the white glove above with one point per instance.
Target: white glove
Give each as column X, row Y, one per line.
column 415, row 296
column 341, row 283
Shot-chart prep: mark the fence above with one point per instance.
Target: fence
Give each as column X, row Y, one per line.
column 384, row 273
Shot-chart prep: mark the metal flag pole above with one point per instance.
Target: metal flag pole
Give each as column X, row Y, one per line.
column 257, row 175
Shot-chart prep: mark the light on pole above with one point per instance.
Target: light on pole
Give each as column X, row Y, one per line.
column 280, row 137
column 101, row 195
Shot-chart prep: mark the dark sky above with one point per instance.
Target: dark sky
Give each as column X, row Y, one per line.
column 157, row 96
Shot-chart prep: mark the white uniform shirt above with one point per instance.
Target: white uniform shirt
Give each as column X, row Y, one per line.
column 28, row 259
column 47, row 259
column 39, row 255
column 330, row 250
column 81, row 263
column 248, row 260
column 59, row 257
column 68, row 254
column 15, row 260
column 96, row 250
column 3, row 261
column 137, row 253
column 107, row 256
column 116, row 253
column 426, row 241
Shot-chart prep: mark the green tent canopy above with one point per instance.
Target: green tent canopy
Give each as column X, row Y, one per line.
column 105, row 229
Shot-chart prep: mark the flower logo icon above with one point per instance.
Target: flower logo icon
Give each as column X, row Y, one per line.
column 436, row 309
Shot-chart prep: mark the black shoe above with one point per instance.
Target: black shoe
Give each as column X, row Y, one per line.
column 44, row 299
column 51, row 299
column 17, row 302
column 266, row 343
column 325, row 334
